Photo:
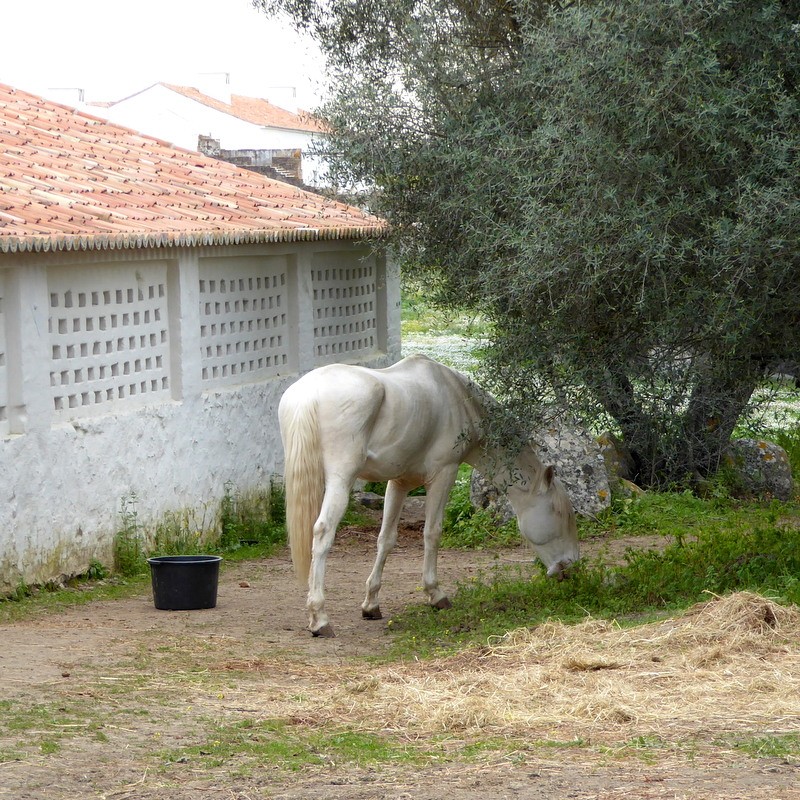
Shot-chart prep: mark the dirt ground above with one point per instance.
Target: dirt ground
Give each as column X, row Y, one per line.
column 121, row 685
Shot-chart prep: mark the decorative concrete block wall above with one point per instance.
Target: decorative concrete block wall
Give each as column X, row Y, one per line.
column 157, row 373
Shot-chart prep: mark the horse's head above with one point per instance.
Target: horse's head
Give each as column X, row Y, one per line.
column 546, row 519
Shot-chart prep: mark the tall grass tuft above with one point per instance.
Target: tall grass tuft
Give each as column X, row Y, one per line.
column 254, row 519
column 129, row 544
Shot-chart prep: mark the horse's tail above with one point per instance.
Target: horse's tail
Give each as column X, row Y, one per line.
column 304, row 481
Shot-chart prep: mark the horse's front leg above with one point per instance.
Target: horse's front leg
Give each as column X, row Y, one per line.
column 438, row 490
column 334, row 505
column 387, row 538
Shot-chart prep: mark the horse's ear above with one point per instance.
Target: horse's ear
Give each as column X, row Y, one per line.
column 549, row 474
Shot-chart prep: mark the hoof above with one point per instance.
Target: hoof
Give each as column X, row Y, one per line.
column 325, row 632
column 372, row 613
column 441, row 605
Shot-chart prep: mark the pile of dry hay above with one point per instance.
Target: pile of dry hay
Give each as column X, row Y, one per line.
column 730, row 665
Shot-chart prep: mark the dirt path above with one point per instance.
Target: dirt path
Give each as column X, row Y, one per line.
column 96, row 701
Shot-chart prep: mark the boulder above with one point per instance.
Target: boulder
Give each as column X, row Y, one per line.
column 762, row 467
column 369, row 499
column 578, row 463
column 483, row 494
column 617, row 457
column 620, row 466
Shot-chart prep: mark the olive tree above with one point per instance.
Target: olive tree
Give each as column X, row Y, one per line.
column 613, row 185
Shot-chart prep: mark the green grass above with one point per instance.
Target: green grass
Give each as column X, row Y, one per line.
column 44, row 727
column 79, row 591
column 467, row 528
column 778, row 745
column 292, row 747
column 418, row 317
column 253, row 522
column 708, row 547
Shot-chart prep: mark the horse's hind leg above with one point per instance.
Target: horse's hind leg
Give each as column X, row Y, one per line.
column 337, row 495
column 387, row 538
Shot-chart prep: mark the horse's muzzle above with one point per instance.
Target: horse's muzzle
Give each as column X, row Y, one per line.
column 561, row 569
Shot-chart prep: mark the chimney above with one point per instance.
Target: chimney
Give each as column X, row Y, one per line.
column 208, row 146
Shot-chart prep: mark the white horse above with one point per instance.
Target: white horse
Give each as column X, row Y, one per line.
column 411, row 424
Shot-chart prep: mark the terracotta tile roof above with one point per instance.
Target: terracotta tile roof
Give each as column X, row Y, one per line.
column 72, row 181
column 255, row 110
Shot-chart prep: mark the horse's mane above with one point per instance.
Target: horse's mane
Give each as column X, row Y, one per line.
column 511, row 439
column 562, row 504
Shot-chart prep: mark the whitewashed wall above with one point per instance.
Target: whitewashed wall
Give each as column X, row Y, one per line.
column 158, row 372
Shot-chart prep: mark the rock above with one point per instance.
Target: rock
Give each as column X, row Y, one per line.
column 762, row 467
column 578, row 463
column 617, row 457
column 484, row 495
column 619, row 466
column 369, row 499
column 627, row 489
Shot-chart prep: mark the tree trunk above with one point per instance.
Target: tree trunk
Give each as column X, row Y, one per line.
column 716, row 405
column 693, row 445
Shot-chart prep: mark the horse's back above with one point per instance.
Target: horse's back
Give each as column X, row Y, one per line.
column 426, row 420
column 350, row 385
column 343, row 401
column 392, row 421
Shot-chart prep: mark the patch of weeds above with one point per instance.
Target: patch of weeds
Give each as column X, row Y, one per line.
column 674, row 515
column 180, row 533
column 96, row 571
column 78, row 593
column 8, row 755
column 474, row 751
column 253, row 518
column 129, row 546
column 467, row 528
column 358, row 747
column 647, row 748
column 778, row 745
column 20, row 593
column 43, row 727
column 560, row 744
column 287, row 747
column 356, row 515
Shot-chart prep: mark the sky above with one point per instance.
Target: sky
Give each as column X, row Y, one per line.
column 111, row 50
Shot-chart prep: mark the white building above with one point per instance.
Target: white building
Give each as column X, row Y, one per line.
column 182, row 115
column 154, row 304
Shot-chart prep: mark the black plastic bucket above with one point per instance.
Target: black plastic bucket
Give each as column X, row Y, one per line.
column 182, row 583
